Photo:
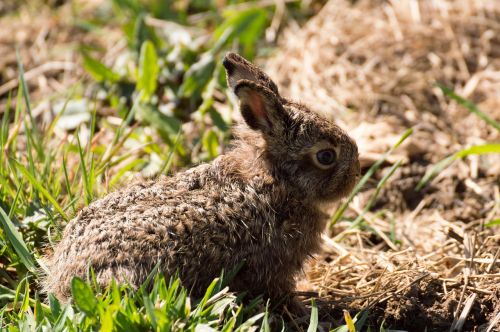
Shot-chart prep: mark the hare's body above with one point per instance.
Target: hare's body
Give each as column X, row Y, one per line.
column 198, row 222
column 256, row 207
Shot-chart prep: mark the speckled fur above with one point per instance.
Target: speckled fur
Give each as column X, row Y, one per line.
column 258, row 204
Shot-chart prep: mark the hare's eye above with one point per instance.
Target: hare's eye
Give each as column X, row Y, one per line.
column 326, row 157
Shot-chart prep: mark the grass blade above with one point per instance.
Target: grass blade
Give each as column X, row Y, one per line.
column 349, row 322
column 98, row 70
column 340, row 212
column 25, row 93
column 473, row 150
column 313, row 323
column 17, row 241
column 470, row 106
column 4, row 129
column 40, row 188
column 14, row 203
column 372, row 199
column 492, row 223
column 68, row 184
column 168, row 161
column 83, row 296
column 264, row 327
column 148, row 70
column 86, row 178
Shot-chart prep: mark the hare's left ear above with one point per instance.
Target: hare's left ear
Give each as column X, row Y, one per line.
column 260, row 107
column 237, row 68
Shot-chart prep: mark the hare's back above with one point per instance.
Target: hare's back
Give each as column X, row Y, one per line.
column 145, row 216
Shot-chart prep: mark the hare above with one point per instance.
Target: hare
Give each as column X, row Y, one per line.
column 259, row 206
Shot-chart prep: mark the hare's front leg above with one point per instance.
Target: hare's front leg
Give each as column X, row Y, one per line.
column 281, row 293
column 294, row 305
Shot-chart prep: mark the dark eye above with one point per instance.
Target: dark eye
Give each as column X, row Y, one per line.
column 326, row 157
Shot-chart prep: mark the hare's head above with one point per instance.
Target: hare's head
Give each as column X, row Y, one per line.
column 301, row 148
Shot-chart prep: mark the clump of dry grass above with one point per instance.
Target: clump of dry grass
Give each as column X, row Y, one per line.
column 422, row 258
column 399, row 285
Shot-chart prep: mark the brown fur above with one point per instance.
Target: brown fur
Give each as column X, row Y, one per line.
column 258, row 204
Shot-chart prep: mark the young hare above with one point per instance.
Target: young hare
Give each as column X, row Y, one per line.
column 258, row 206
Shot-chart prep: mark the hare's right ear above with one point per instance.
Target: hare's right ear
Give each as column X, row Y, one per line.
column 237, row 68
column 260, row 107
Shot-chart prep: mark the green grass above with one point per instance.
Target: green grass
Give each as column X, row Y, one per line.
column 166, row 307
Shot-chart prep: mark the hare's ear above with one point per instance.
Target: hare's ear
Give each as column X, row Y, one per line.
column 260, row 107
column 237, row 68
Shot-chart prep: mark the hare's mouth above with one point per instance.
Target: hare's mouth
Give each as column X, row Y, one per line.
column 348, row 185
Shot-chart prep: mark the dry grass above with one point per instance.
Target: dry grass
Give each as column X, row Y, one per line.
column 49, row 45
column 373, row 66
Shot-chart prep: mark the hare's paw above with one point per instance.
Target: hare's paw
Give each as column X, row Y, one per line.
column 296, row 307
